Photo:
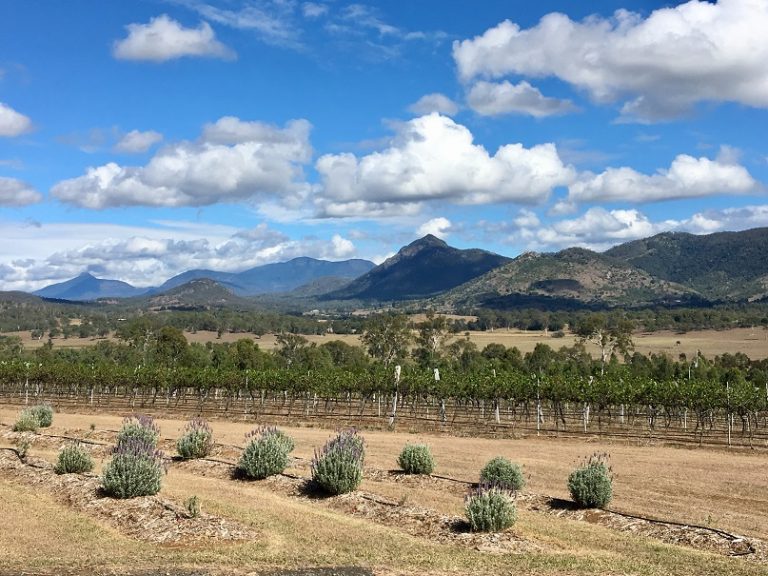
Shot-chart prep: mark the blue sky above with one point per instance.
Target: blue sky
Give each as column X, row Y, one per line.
column 142, row 139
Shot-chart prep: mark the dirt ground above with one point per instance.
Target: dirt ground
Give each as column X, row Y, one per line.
column 751, row 341
column 395, row 524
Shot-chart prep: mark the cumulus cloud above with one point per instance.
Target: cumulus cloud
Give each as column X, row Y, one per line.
column 434, row 158
column 434, row 102
column 13, row 123
column 233, row 161
column 165, row 39
column 146, row 256
column 136, row 142
column 658, row 67
column 687, row 177
column 599, row 228
column 14, row 192
column 439, row 227
column 496, row 99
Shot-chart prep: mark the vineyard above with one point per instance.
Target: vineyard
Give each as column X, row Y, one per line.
column 495, row 402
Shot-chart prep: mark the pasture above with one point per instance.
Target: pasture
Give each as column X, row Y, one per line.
column 751, row 341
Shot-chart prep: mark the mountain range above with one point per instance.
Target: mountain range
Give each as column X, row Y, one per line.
column 666, row 269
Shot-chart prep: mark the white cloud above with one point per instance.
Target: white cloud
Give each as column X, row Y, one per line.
column 165, row 39
column 659, row 66
column 14, row 192
column 687, row 177
column 439, row 227
column 433, row 158
column 434, row 102
column 599, row 229
column 496, row 99
column 13, row 123
column 136, row 142
column 527, row 219
column 313, row 9
column 252, row 163
column 146, row 256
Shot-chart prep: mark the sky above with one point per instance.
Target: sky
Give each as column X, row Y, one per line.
column 142, row 139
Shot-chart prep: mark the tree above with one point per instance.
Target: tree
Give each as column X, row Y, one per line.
column 431, row 339
column 609, row 333
column 291, row 346
column 387, row 337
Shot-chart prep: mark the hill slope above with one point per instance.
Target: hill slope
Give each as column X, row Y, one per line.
column 274, row 278
column 88, row 287
column 572, row 278
column 720, row 266
column 197, row 294
column 424, row 268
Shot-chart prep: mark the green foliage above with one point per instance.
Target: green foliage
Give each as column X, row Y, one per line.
column 139, row 428
column 338, row 467
column 387, row 337
column 490, row 509
column 73, row 458
column 502, row 473
column 44, row 414
column 22, row 448
column 197, row 440
column 591, row 484
column 265, row 454
column 416, row 459
column 193, row 506
column 27, row 422
column 136, row 469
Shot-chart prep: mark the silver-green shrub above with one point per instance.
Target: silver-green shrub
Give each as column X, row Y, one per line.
column 502, row 473
column 338, row 467
column 44, row 414
column 490, row 509
column 73, row 458
column 141, row 428
column 591, row 484
column 135, row 470
column 27, row 422
column 265, row 454
column 197, row 440
column 416, row 459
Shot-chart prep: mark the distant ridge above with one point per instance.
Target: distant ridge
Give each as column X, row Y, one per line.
column 275, row 278
column 730, row 266
column 570, row 279
column 423, row 268
column 88, row 287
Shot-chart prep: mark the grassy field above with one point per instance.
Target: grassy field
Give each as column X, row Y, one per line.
column 723, row 489
column 751, row 341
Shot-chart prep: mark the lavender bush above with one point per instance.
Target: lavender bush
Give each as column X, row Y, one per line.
column 139, row 427
column 490, row 509
column 73, row 459
column 197, row 440
column 265, row 454
column 338, row 467
column 136, row 469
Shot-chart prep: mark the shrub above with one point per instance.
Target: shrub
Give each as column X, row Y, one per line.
column 197, row 441
column 416, row 459
column 193, row 506
column 502, row 473
column 490, row 509
column 591, row 484
column 44, row 414
column 27, row 422
column 338, row 467
column 135, row 469
column 139, row 428
column 73, row 458
column 22, row 448
column 266, row 453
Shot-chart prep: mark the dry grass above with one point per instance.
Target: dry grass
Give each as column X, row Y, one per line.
column 751, row 341
column 727, row 489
